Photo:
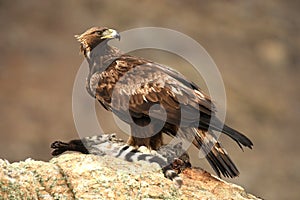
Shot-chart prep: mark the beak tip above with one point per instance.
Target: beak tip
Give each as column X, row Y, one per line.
column 118, row 36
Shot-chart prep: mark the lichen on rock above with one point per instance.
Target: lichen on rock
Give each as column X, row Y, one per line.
column 80, row 176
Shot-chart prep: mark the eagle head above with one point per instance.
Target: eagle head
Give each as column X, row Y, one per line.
column 94, row 36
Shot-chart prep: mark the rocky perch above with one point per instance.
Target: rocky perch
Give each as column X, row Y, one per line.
column 80, row 176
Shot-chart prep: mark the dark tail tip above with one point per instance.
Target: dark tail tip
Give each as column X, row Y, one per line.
column 222, row 164
column 238, row 137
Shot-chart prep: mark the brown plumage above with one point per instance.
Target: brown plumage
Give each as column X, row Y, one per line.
column 130, row 86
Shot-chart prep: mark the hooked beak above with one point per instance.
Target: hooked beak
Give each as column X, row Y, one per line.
column 111, row 34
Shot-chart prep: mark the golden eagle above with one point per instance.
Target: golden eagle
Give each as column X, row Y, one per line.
column 136, row 90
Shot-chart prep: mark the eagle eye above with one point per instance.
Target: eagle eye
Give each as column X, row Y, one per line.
column 98, row 32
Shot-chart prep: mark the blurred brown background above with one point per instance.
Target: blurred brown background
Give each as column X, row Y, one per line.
column 254, row 43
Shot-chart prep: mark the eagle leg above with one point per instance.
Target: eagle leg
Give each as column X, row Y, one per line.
column 138, row 142
column 152, row 143
column 142, row 135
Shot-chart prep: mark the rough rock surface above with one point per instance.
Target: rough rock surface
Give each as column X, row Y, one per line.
column 79, row 176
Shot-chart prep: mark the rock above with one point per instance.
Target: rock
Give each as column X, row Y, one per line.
column 81, row 176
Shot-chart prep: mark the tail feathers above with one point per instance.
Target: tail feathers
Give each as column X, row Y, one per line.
column 221, row 162
column 217, row 125
column 215, row 154
column 237, row 136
